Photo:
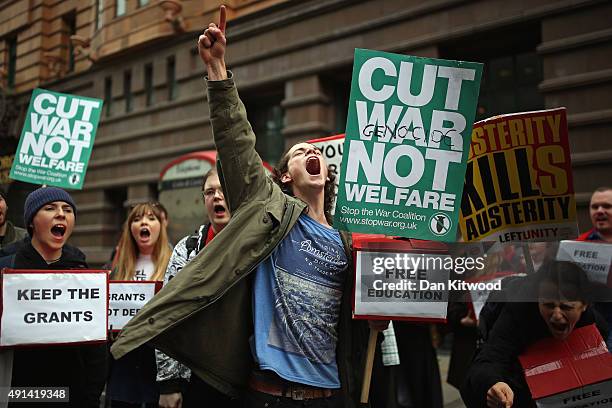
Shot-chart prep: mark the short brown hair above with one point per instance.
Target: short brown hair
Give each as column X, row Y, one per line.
column 602, row 189
column 211, row 172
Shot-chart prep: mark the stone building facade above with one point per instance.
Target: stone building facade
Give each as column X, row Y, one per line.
column 292, row 61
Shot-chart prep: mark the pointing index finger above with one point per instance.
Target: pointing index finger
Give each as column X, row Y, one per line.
column 222, row 18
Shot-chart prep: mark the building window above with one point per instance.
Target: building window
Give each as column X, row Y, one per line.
column 171, row 77
column 68, row 30
column 142, row 3
column 127, row 90
column 268, row 120
column 510, row 84
column 108, row 94
column 120, row 8
column 337, row 84
column 512, row 69
column 148, row 84
column 11, row 45
column 99, row 13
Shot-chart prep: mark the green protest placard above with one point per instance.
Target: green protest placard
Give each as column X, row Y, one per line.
column 57, row 139
column 408, row 135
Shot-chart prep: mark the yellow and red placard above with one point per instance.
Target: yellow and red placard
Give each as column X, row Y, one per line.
column 518, row 183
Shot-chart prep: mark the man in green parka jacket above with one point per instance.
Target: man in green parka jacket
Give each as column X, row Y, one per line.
column 204, row 317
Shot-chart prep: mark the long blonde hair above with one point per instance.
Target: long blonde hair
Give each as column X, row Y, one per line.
column 128, row 250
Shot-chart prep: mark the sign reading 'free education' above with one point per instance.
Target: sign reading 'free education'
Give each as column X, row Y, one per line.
column 407, row 141
column 414, row 291
column 57, row 139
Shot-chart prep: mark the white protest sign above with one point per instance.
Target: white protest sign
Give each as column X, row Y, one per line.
column 480, row 293
column 331, row 149
column 594, row 258
column 415, row 288
column 126, row 299
column 53, row 307
column 594, row 395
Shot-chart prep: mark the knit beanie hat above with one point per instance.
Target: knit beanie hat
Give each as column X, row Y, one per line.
column 38, row 198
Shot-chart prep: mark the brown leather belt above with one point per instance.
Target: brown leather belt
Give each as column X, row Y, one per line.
column 290, row 390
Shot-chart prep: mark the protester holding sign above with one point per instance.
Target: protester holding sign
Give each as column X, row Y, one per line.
column 144, row 253
column 600, row 209
column 298, row 262
column 49, row 214
column 496, row 378
column 177, row 384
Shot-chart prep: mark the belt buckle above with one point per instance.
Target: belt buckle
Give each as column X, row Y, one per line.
column 297, row 394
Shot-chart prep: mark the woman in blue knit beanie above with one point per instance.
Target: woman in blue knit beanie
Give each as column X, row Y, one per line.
column 49, row 215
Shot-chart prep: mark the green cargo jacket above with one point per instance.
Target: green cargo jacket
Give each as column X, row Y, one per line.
column 12, row 234
column 203, row 317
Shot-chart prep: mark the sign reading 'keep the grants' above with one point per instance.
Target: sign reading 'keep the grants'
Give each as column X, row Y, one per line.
column 407, row 138
column 54, row 307
column 57, row 139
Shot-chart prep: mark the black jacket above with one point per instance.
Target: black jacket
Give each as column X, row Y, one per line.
column 80, row 367
column 518, row 326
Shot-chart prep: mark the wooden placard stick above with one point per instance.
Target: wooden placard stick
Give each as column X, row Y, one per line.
column 367, row 371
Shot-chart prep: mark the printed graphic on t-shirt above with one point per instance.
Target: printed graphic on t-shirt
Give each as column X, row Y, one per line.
column 140, row 275
column 144, row 268
column 307, row 294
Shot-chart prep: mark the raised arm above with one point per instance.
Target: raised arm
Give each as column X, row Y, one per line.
column 211, row 46
column 241, row 170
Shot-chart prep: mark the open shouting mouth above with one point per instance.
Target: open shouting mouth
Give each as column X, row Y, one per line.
column 219, row 210
column 313, row 166
column 58, row 230
column 558, row 329
column 144, row 233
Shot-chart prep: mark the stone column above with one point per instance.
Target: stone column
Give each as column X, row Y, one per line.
column 308, row 113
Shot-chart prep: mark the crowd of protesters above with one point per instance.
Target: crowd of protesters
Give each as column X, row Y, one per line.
column 245, row 319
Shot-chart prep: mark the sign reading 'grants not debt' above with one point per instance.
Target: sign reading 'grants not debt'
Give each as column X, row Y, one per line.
column 126, row 299
column 407, row 140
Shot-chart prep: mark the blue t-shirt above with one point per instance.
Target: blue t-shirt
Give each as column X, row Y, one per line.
column 296, row 305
